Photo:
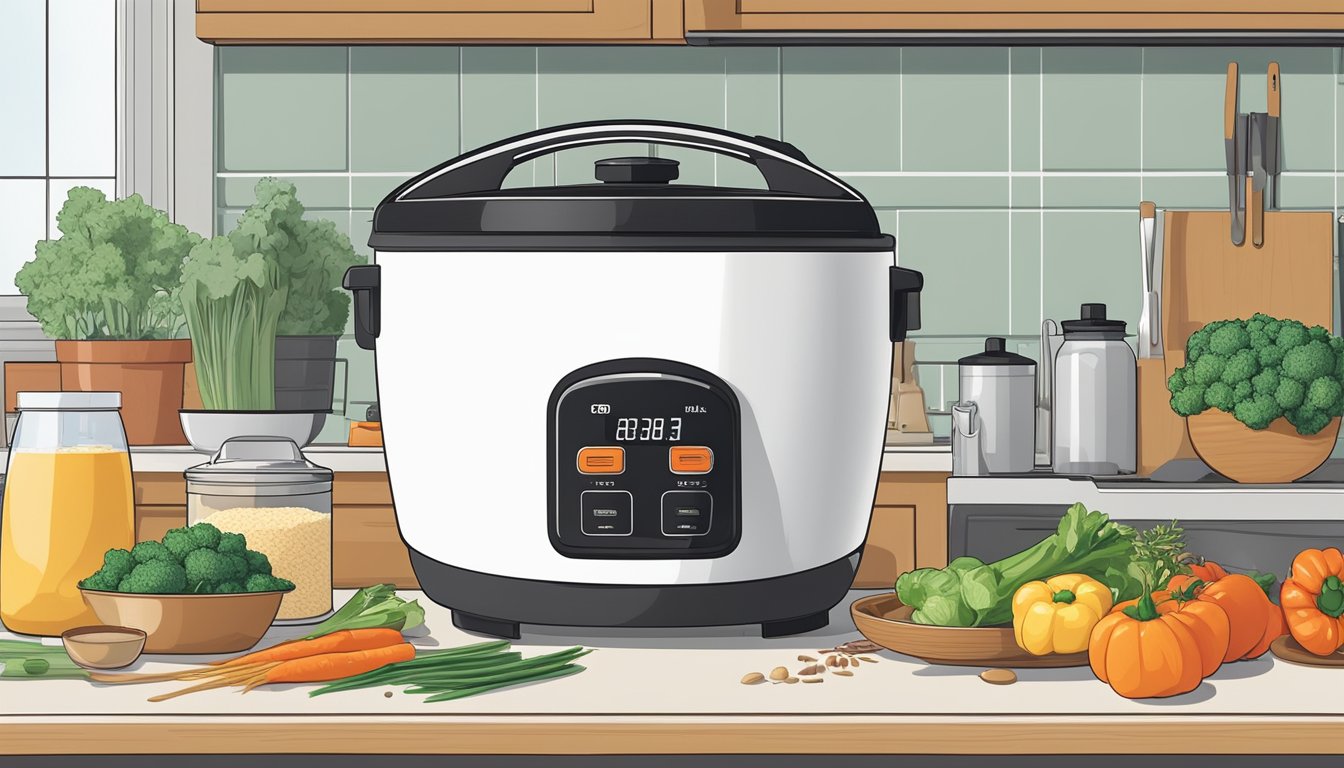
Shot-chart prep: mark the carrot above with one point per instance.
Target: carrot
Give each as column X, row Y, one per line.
column 334, row 666
column 343, row 641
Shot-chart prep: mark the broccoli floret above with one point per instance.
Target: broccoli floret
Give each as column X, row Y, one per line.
column 1323, row 394
column 261, row 582
column 257, row 562
column 101, row 581
column 1272, row 327
column 238, row 567
column 1197, row 344
column 1258, row 412
column 1230, row 338
column 152, row 550
column 1219, row 395
column 1266, row 382
column 1260, row 339
column 1209, row 369
column 1176, row 381
column 1309, row 362
column 156, row 577
column 1256, row 323
column 232, row 544
column 205, row 568
column 1308, row 420
column 1318, row 332
column 228, row 588
column 1242, row 391
column 1291, row 334
column 1240, row 367
column 205, row 535
column 180, row 543
column 1189, row 401
column 1290, row 393
column 117, row 564
column 1271, row 356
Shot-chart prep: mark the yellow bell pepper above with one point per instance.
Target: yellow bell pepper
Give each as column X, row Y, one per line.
column 1057, row 615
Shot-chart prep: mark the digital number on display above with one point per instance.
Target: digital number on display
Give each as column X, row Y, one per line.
column 645, row 429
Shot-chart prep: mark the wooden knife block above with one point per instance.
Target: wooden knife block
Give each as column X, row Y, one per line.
column 907, row 421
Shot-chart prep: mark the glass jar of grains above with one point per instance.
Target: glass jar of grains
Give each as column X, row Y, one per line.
column 265, row 489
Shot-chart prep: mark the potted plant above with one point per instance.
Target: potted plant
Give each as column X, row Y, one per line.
column 312, row 264
column 107, row 292
column 1262, row 397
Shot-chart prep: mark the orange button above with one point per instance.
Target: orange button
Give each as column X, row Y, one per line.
column 602, row 461
column 691, row 459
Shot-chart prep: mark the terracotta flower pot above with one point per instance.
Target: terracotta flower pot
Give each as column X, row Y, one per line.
column 148, row 374
column 1277, row 454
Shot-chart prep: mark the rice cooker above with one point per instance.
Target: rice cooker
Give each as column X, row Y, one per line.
column 632, row 403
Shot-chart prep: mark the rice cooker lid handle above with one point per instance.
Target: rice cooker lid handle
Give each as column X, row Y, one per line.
column 258, row 458
column 784, row 167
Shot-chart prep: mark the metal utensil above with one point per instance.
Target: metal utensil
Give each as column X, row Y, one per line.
column 1150, row 319
column 1234, row 145
column 1271, row 156
column 1256, row 164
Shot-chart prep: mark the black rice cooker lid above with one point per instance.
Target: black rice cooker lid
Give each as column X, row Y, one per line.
column 1093, row 321
column 634, row 202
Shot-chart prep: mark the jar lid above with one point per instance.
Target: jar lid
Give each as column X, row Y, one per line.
column 258, row 460
column 996, row 353
column 1093, row 320
column 69, row 401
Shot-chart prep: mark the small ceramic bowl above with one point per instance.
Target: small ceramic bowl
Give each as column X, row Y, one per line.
column 103, row 646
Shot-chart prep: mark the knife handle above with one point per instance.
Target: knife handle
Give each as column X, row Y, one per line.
column 1255, row 201
column 1275, row 95
column 1231, row 103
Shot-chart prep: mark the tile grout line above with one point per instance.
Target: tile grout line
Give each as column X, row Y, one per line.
column 1143, row 60
column 1040, row 165
column 1010, row 190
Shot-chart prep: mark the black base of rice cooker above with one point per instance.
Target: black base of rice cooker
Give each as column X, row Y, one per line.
column 496, row 605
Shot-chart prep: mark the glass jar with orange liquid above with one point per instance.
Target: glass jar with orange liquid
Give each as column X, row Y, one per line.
column 68, row 499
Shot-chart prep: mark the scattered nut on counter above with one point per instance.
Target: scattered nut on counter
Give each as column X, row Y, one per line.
column 752, row 678
column 842, row 661
column 805, row 657
column 999, row 676
column 814, row 679
column 779, row 673
column 844, row 672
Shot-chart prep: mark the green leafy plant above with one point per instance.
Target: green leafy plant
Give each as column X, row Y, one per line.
column 113, row 274
column 313, row 257
column 1261, row 369
column 233, row 292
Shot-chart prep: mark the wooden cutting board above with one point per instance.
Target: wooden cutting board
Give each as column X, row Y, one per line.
column 1205, row 278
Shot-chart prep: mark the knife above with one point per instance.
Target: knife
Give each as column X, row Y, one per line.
column 1150, row 323
column 1272, row 135
column 1258, row 178
column 1233, row 138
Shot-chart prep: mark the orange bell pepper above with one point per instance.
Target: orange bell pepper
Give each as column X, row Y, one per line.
column 1313, row 600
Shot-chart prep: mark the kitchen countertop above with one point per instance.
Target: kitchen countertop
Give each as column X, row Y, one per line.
column 677, row 691
column 179, row 458
column 917, row 458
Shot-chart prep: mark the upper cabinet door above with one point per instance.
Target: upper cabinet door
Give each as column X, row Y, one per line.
column 1106, row 17
column 438, row 21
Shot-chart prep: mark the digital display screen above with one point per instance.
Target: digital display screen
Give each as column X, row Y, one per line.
column 645, row 429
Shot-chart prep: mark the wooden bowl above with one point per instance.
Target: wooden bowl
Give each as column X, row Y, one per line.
column 1277, row 454
column 885, row 620
column 103, row 647
column 190, row 623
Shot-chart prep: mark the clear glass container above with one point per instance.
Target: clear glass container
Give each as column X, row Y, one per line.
column 68, row 499
column 265, row 489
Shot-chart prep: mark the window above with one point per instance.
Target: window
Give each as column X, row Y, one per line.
column 58, row 96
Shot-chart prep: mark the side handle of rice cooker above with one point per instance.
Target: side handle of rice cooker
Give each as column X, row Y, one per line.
column 365, row 282
column 906, row 285
column 784, row 168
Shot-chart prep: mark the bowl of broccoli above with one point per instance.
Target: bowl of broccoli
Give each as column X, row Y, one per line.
column 196, row 590
column 1262, row 397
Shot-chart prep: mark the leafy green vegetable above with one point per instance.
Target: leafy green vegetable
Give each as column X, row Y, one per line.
column 456, row 673
column 970, row 593
column 1262, row 369
column 113, row 274
column 233, row 293
column 1158, row 555
column 373, row 607
column 195, row 560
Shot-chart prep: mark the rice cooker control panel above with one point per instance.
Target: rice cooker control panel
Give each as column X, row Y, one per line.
column 644, row 462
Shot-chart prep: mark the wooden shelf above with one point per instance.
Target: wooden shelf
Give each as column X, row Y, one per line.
column 269, row 22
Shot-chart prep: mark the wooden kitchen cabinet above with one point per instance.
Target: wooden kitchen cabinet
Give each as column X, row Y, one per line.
column 908, row 528
column 254, row 22
column 366, row 546
column 1249, row 17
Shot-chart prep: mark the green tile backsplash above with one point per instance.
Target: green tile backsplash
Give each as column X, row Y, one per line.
column 1009, row 176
